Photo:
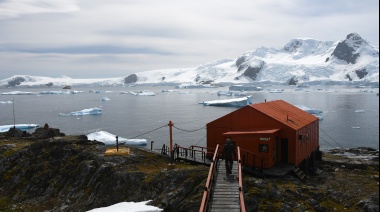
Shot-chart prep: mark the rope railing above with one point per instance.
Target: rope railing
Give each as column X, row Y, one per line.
column 189, row 130
column 149, row 131
column 210, row 181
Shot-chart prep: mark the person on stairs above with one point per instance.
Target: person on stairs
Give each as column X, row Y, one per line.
column 228, row 151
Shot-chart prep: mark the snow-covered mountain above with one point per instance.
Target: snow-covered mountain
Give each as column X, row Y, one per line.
column 300, row 61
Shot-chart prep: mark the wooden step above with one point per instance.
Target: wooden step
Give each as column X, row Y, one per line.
column 299, row 173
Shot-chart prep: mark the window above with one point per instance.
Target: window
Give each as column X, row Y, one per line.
column 263, row 147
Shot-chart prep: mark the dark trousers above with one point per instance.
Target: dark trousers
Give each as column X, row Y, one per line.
column 229, row 162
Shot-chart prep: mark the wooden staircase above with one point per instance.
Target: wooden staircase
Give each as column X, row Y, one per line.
column 225, row 195
column 299, row 173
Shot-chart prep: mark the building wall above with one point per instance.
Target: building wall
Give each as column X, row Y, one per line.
column 247, row 118
column 305, row 146
column 250, row 151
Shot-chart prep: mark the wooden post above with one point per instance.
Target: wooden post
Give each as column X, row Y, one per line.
column 171, row 135
column 171, row 165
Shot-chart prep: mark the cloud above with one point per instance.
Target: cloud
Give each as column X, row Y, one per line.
column 93, row 49
column 160, row 34
column 16, row 8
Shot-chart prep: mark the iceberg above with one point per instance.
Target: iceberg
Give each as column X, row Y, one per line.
column 245, row 88
column 61, row 92
column 52, row 92
column 89, row 111
column 75, row 92
column 316, row 112
column 94, row 91
column 18, row 93
column 359, row 111
column 276, row 90
column 230, row 93
column 110, row 139
column 169, row 91
column 143, row 93
column 5, row 102
column 237, row 102
column 186, row 85
column 106, row 99
column 5, row 128
column 224, row 93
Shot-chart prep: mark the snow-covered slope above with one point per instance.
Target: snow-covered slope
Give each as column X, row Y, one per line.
column 300, row 61
column 40, row 81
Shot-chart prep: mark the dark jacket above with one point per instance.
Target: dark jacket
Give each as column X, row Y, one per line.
column 228, row 150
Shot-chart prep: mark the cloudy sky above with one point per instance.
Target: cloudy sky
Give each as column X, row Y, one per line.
column 114, row 38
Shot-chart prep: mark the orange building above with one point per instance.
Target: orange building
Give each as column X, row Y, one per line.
column 271, row 132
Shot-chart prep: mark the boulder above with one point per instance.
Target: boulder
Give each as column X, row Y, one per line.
column 47, row 133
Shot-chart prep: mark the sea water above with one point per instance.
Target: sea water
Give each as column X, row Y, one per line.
column 350, row 115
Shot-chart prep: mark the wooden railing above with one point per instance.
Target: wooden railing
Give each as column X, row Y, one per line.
column 210, row 181
column 240, row 176
column 165, row 150
column 193, row 153
column 257, row 160
column 209, row 151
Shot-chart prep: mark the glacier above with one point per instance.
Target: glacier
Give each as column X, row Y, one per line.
column 301, row 62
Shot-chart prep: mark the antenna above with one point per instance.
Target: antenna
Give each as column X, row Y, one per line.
column 14, row 119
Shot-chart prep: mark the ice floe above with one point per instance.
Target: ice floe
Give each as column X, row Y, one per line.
column 245, row 88
column 230, row 93
column 110, row 139
column 276, row 90
column 5, row 128
column 236, row 102
column 359, row 111
column 316, row 112
column 89, row 111
column 18, row 93
column 5, row 102
column 143, row 93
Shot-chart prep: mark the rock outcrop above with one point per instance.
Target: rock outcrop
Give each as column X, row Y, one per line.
column 72, row 174
column 346, row 50
column 130, row 79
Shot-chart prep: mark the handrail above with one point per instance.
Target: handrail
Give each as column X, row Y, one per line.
column 209, row 181
column 189, row 153
column 254, row 159
column 240, row 176
column 165, row 150
column 208, row 149
column 202, row 147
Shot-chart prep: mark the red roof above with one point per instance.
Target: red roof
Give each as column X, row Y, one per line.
column 259, row 131
column 285, row 113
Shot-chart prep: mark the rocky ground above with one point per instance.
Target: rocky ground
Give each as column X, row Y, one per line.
column 348, row 180
column 48, row 171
